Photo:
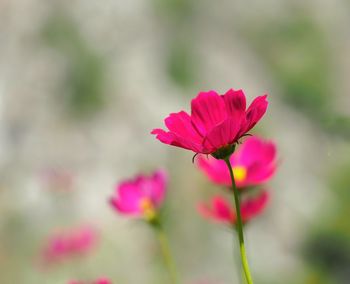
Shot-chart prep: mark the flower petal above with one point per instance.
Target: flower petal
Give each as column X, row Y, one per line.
column 235, row 102
column 215, row 169
column 256, row 111
column 159, row 180
column 223, row 134
column 207, row 111
column 259, row 158
column 128, row 198
column 218, row 210
column 254, row 206
column 172, row 139
column 180, row 124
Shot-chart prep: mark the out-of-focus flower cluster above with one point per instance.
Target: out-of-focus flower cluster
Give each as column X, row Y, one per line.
column 217, row 124
column 102, row 280
column 253, row 164
column 69, row 243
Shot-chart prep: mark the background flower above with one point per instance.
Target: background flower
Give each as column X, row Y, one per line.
column 102, row 280
column 141, row 196
column 253, row 163
column 220, row 209
column 69, row 243
column 83, row 82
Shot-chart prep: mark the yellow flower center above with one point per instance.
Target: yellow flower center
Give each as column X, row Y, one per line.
column 240, row 173
column 148, row 210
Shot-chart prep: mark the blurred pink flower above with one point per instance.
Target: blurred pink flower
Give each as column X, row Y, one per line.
column 141, row 196
column 102, row 280
column 216, row 122
column 253, row 163
column 220, row 209
column 69, row 243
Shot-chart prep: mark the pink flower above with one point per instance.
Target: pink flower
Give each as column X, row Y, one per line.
column 142, row 196
column 102, row 280
column 221, row 210
column 69, row 243
column 253, row 163
column 216, row 122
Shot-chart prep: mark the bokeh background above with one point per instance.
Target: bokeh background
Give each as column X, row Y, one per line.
column 83, row 82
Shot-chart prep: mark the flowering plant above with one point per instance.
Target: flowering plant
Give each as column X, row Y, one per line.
column 215, row 127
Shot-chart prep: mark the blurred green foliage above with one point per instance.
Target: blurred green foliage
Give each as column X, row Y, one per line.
column 180, row 55
column 328, row 248
column 297, row 53
column 176, row 11
column 83, row 88
column 180, row 65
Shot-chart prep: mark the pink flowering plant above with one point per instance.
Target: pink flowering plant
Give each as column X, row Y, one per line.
column 215, row 127
column 142, row 197
column 69, row 243
column 253, row 164
column 102, row 280
column 217, row 131
column 220, row 209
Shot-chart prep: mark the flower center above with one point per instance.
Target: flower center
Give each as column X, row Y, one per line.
column 147, row 208
column 240, row 173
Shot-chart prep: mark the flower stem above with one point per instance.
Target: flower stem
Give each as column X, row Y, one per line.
column 239, row 226
column 165, row 248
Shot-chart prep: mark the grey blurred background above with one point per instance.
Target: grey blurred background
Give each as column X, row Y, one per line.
column 82, row 83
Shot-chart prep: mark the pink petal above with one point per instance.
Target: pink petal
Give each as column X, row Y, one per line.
column 248, row 152
column 253, row 207
column 222, row 209
column 83, row 240
column 219, row 210
column 235, row 102
column 103, row 281
column 256, row 111
column 124, row 207
column 215, row 169
column 180, row 124
column 207, row 111
column 127, row 199
column 174, row 140
column 259, row 157
column 160, row 180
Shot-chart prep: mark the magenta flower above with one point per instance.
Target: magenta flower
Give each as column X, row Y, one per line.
column 215, row 124
column 253, row 163
column 142, row 196
column 69, row 243
column 102, row 280
column 220, row 209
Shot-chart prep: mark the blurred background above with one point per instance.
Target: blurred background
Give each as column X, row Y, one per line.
column 82, row 84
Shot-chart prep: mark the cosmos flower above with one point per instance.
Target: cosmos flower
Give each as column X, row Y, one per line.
column 102, row 280
column 141, row 196
column 69, row 243
column 253, row 163
column 220, row 209
column 216, row 123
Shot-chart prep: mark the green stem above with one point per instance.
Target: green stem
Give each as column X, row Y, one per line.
column 165, row 248
column 239, row 226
